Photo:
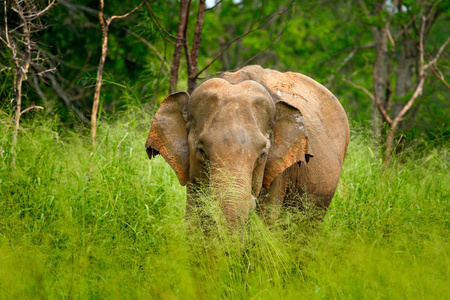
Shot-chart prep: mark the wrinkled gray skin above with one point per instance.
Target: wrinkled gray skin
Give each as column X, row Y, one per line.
column 259, row 133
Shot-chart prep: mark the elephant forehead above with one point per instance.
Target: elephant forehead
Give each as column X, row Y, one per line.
column 217, row 101
column 218, row 92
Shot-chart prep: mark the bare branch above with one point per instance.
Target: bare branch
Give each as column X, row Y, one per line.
column 416, row 94
column 46, row 71
column 38, row 14
column 153, row 48
column 98, row 85
column 394, row 5
column 183, row 15
column 72, row 6
column 405, row 27
column 249, row 60
column 193, row 58
column 388, row 32
column 435, row 59
column 422, row 28
column 380, row 107
column 8, row 42
column 66, row 100
column 4, row 41
column 30, row 108
column 428, row 19
column 215, row 5
column 422, row 74
column 439, row 75
column 366, row 91
column 347, row 59
column 188, row 56
column 36, row 87
column 108, row 21
column 251, row 30
column 155, row 90
column 359, row 88
column 158, row 24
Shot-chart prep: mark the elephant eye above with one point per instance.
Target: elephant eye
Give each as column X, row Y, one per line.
column 261, row 157
column 202, row 152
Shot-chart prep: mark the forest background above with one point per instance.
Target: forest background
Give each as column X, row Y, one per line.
column 79, row 212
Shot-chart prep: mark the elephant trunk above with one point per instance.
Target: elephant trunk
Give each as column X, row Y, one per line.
column 234, row 191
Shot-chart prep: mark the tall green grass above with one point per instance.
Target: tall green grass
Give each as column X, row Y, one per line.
column 110, row 224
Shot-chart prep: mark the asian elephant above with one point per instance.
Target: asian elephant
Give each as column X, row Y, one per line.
column 279, row 135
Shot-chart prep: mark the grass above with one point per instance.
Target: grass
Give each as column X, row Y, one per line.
column 118, row 231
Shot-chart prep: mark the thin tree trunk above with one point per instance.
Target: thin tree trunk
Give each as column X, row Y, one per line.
column 192, row 71
column 101, row 65
column 390, row 141
column 405, row 68
column 181, row 31
column 18, row 111
column 105, row 25
column 20, row 75
column 380, row 73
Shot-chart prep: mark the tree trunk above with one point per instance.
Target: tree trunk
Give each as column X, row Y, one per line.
column 192, row 71
column 390, row 141
column 406, row 63
column 18, row 111
column 405, row 75
column 98, row 84
column 181, row 36
column 19, row 76
column 380, row 76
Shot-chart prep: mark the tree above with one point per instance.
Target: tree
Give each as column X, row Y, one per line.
column 401, row 73
column 192, row 53
column 24, row 53
column 105, row 26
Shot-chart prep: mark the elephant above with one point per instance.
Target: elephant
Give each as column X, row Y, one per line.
column 280, row 135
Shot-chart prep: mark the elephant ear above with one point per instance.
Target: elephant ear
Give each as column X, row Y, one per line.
column 290, row 142
column 168, row 135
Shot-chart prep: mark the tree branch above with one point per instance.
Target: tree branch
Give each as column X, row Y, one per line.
column 158, row 24
column 435, row 59
column 72, row 6
column 215, row 5
column 347, row 59
column 149, row 45
column 98, row 85
column 439, row 75
column 187, row 54
column 249, row 60
column 239, row 37
column 366, row 91
column 66, row 99
column 30, row 108
column 422, row 74
column 183, row 14
column 109, row 20
column 38, row 14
